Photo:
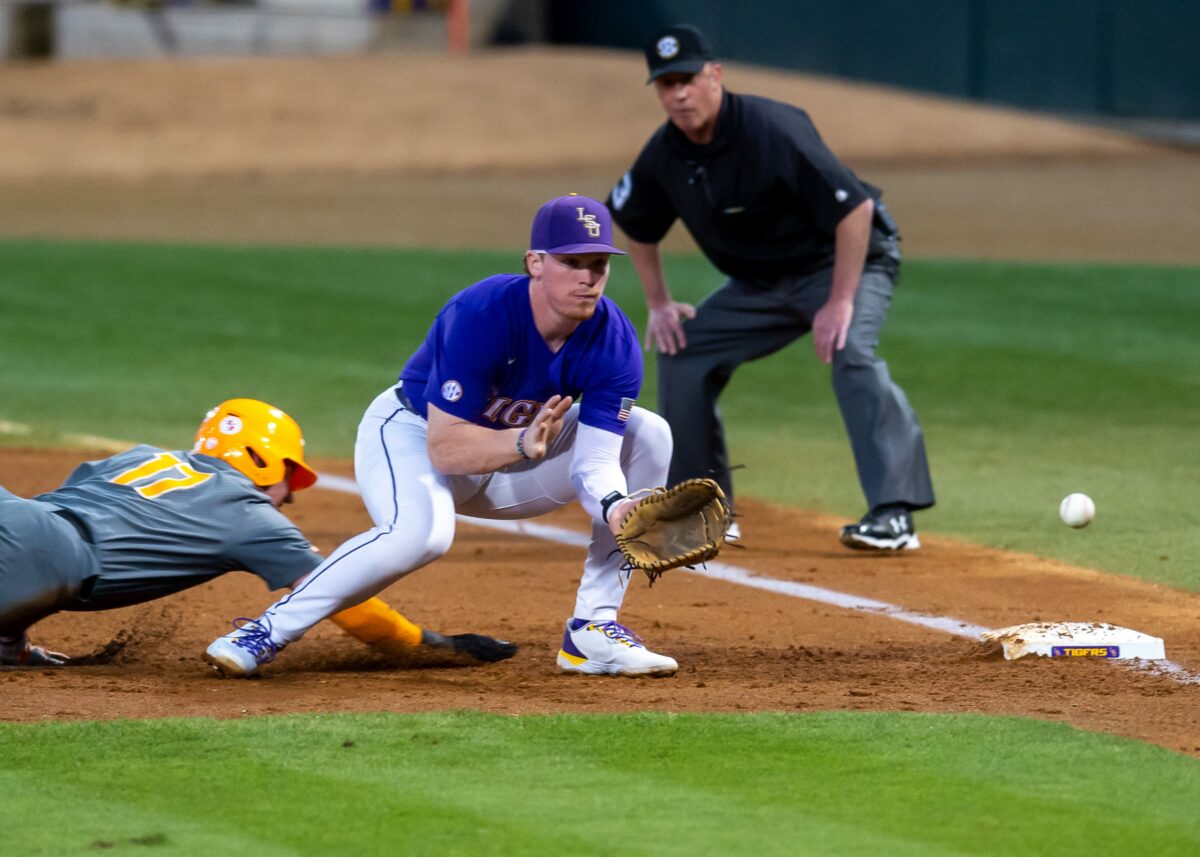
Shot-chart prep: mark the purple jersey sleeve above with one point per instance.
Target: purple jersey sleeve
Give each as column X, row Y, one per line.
column 485, row 362
column 466, row 348
column 610, row 374
column 461, row 369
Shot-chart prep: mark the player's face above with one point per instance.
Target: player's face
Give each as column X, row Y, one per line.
column 692, row 101
column 571, row 283
column 281, row 492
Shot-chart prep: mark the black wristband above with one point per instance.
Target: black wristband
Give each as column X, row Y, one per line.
column 521, row 446
column 607, row 503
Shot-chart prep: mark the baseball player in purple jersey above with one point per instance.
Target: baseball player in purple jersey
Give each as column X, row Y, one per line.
column 519, row 401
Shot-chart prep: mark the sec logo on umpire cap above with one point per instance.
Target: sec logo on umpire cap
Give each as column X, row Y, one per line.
column 668, row 46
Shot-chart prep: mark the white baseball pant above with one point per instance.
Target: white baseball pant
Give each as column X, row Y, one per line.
column 414, row 506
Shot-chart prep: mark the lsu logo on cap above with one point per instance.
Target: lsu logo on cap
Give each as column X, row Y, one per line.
column 668, row 46
column 589, row 222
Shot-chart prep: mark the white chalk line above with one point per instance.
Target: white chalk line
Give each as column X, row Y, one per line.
column 744, row 577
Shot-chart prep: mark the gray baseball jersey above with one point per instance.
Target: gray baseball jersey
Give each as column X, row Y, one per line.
column 137, row 526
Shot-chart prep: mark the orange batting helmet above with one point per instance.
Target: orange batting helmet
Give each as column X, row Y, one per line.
column 258, row 439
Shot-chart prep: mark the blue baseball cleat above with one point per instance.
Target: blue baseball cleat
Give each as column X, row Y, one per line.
column 240, row 653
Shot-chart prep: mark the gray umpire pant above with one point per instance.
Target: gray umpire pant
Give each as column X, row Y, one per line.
column 741, row 322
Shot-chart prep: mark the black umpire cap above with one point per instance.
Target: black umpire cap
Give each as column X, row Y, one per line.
column 681, row 48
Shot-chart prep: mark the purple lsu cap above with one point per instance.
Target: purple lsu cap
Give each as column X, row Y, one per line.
column 572, row 224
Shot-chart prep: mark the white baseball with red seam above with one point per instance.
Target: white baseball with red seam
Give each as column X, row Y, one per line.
column 1077, row 510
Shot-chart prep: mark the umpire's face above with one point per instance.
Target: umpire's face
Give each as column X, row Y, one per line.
column 692, row 101
column 571, row 284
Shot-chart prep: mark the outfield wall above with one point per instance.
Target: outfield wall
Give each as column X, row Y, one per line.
column 89, row 29
column 1128, row 58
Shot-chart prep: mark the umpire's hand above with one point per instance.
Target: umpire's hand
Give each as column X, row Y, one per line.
column 664, row 328
column 830, row 327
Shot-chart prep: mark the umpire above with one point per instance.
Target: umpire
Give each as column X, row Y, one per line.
column 806, row 246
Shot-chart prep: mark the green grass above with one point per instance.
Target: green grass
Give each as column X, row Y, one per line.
column 1032, row 381
column 136, row 342
column 646, row 784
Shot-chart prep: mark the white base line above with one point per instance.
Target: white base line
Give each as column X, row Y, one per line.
column 744, row 577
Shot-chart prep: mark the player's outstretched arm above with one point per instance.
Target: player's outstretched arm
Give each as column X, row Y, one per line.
column 19, row 652
column 619, row 511
column 458, row 447
column 545, row 427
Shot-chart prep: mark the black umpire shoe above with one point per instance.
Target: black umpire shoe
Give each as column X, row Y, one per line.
column 888, row 528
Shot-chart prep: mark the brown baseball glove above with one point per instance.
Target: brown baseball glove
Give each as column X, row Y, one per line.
column 673, row 527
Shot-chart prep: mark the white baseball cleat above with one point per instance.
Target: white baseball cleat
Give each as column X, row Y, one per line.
column 239, row 654
column 609, row 648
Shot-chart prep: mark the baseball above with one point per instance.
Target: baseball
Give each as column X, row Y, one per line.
column 1077, row 510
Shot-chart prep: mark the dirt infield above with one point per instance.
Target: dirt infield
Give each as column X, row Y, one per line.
column 408, row 151
column 739, row 649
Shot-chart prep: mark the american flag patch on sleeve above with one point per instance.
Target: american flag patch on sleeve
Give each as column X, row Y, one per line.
column 626, row 408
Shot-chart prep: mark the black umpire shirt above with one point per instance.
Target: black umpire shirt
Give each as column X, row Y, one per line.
column 762, row 199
